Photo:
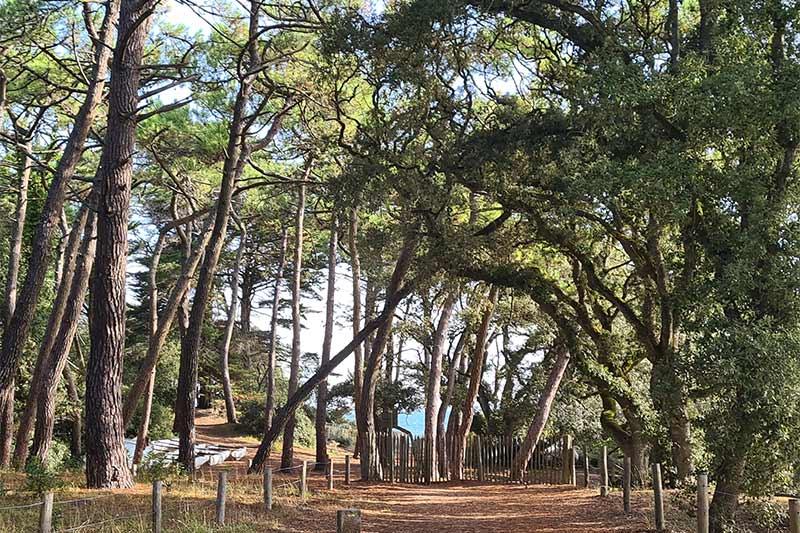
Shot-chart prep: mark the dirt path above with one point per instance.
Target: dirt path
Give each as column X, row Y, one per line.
column 467, row 507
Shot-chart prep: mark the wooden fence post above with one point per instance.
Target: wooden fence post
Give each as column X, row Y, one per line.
column 268, row 488
column 626, row 484
column 330, row 474
column 585, row 468
column 157, row 506
column 604, row 472
column 794, row 515
column 658, row 497
column 346, row 469
column 481, row 473
column 222, row 483
column 702, row 504
column 46, row 513
column 348, row 521
column 304, row 478
column 568, row 461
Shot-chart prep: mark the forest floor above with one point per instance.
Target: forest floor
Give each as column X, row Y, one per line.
column 463, row 507
column 188, row 506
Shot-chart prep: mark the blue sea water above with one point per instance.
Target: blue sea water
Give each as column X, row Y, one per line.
column 413, row 421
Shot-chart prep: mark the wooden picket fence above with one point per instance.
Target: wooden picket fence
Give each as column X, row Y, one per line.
column 489, row 459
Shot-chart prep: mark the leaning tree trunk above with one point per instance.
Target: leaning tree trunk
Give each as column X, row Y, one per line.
column 76, row 440
column 370, row 460
column 224, row 356
column 44, row 359
column 358, row 364
column 106, row 458
column 476, row 372
column 322, row 389
column 273, row 333
column 433, row 401
column 441, row 435
column 17, row 330
column 62, row 344
column 287, row 451
column 303, row 392
column 544, row 406
column 174, row 306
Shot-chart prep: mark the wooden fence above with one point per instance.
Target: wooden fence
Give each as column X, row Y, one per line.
column 403, row 460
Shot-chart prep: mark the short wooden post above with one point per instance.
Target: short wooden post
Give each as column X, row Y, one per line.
column 604, row 472
column 658, row 497
column 348, row 521
column 567, row 461
column 702, row 505
column 304, row 478
column 626, row 485
column 586, row 468
column 157, row 506
column 346, row 469
column 481, row 472
column 222, row 485
column 268, row 488
column 46, row 513
column 330, row 474
column 794, row 515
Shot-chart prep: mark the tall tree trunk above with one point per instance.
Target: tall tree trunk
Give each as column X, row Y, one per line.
column 224, row 356
column 668, row 393
column 544, row 406
column 729, row 476
column 295, row 400
column 106, row 458
column 15, row 334
column 246, row 301
column 358, row 365
column 441, row 436
column 12, row 274
column 17, row 232
column 287, row 451
column 62, row 344
column 322, row 389
column 476, row 373
column 44, row 358
column 433, row 401
column 273, row 333
column 370, row 461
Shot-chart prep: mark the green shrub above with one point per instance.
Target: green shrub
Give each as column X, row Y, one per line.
column 155, row 468
column 251, row 420
column 41, row 478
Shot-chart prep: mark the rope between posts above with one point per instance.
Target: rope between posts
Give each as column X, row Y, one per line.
column 12, row 507
column 82, row 526
column 83, row 499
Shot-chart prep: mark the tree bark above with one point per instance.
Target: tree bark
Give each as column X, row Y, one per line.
column 322, row 389
column 433, row 401
column 294, row 401
column 62, row 344
column 273, row 333
column 441, row 436
column 544, row 406
column 12, row 274
column 15, row 334
column 370, row 461
column 729, row 477
column 224, row 356
column 106, row 458
column 476, row 372
column 76, row 440
column 358, row 365
column 44, row 358
column 287, row 451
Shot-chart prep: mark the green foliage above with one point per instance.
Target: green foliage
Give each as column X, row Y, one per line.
column 154, row 467
column 42, row 477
